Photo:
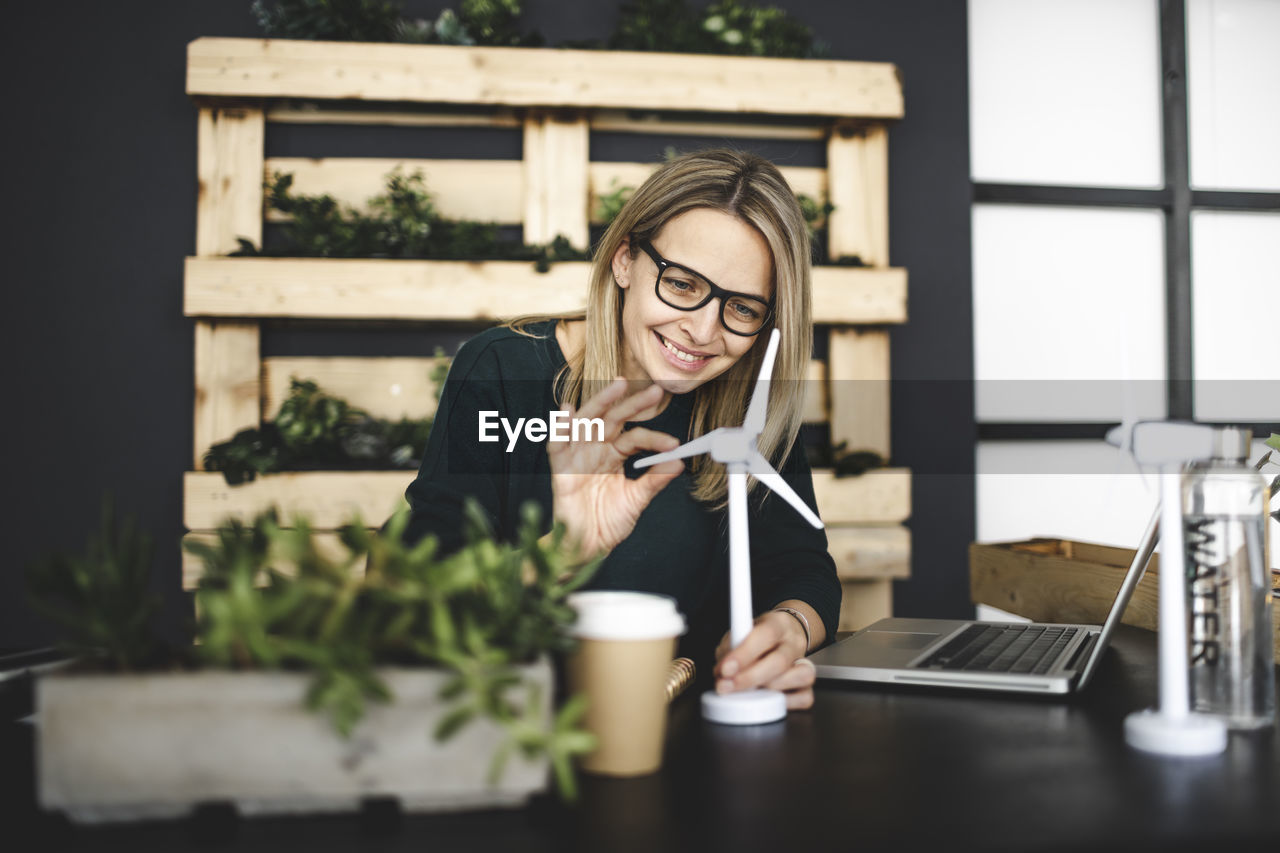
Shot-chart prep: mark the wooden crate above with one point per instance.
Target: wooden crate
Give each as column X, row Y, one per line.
column 556, row 99
column 1059, row 580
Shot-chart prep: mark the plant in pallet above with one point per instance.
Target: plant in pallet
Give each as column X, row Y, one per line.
column 314, row 429
column 270, row 600
column 476, row 612
column 842, row 461
column 401, row 222
column 483, row 22
column 328, row 20
column 724, row 27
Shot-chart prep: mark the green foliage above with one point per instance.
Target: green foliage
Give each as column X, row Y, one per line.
column 725, row 27
column 477, row 612
column 610, row 204
column 102, row 602
column 484, row 22
column 496, row 22
column 728, row 27
column 401, row 222
column 815, row 212
column 328, row 20
column 844, row 462
column 314, row 429
column 749, row 30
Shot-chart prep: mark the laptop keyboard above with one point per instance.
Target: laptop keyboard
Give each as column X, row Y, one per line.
column 1002, row 648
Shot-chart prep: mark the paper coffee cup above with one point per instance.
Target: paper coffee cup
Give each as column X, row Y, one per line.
column 625, row 644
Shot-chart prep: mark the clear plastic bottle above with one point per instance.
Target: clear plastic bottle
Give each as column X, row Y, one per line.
column 1228, row 586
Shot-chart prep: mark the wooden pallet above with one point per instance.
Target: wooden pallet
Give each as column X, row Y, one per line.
column 556, row 99
column 1059, row 580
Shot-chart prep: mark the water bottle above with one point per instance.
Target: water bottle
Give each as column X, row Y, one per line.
column 1231, row 655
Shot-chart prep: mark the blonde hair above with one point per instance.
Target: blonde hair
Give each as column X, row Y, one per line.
column 752, row 189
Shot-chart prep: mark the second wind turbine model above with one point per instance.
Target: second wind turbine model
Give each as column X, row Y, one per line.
column 735, row 447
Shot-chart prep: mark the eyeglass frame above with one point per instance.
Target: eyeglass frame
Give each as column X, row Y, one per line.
column 716, row 291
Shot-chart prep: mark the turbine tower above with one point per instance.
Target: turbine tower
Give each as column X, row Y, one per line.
column 735, row 447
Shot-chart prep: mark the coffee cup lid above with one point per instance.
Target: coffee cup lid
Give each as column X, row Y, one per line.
column 625, row 615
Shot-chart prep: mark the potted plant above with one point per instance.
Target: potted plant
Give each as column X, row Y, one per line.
column 312, row 685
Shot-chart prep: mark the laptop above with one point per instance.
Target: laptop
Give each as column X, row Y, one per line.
column 1026, row 657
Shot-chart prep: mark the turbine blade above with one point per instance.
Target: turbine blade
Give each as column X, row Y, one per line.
column 754, row 423
column 701, row 444
column 760, row 468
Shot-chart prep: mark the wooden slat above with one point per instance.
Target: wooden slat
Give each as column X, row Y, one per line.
column 374, row 289
column 331, row 498
column 460, row 290
column 481, row 190
column 229, row 168
column 555, row 177
column 844, row 295
column 864, row 602
column 882, row 496
column 858, row 371
column 863, row 552
column 627, row 121
column 328, row 499
column 390, row 388
column 270, row 68
column 858, row 187
column 227, row 386
column 327, row 543
column 310, row 114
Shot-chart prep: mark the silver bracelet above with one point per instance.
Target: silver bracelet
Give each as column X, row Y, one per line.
column 804, row 623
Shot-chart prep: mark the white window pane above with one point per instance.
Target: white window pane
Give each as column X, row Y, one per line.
column 1233, row 93
column 1068, row 304
column 1235, row 280
column 1082, row 490
column 1065, row 93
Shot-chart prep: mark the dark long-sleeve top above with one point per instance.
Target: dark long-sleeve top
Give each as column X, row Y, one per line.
column 679, row 546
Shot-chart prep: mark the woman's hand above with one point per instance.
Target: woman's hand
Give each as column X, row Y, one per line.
column 590, row 492
column 773, row 656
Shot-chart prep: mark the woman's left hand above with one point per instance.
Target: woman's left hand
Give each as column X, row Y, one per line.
column 771, row 656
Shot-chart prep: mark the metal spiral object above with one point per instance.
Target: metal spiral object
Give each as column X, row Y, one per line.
column 680, row 674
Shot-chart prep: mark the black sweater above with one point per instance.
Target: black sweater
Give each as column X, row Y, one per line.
column 679, row 547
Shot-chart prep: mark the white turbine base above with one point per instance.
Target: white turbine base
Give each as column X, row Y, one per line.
column 745, row 708
column 1188, row 735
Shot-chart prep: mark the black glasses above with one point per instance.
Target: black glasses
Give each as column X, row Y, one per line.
column 686, row 290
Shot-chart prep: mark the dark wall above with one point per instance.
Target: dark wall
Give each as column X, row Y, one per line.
column 100, row 211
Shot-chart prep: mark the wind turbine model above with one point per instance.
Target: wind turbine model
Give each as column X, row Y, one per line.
column 735, row 447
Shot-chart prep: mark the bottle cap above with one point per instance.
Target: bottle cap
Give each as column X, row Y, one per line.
column 1231, row 443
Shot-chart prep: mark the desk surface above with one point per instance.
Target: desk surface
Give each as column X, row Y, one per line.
column 868, row 768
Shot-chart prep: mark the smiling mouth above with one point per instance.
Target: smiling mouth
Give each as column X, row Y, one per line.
column 683, row 355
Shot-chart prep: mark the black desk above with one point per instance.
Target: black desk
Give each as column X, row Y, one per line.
column 867, row 769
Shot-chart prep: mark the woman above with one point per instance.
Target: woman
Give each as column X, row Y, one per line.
column 708, row 255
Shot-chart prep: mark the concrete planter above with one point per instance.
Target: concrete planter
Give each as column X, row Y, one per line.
column 134, row 747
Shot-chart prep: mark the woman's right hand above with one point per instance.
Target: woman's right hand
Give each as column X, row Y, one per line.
column 590, row 491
